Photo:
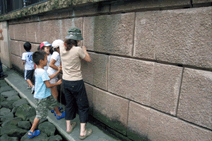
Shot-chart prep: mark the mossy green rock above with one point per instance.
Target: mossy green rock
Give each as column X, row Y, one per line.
column 47, row 128
column 25, row 111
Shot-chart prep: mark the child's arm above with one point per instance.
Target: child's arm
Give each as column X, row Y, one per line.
column 55, row 74
column 49, row 85
column 52, row 65
column 23, row 62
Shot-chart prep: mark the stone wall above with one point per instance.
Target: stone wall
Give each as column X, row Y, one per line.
column 151, row 70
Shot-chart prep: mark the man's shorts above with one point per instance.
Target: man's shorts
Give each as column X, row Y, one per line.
column 28, row 74
column 44, row 105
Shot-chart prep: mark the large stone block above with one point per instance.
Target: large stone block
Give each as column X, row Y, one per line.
column 138, row 121
column 195, row 104
column 89, row 90
column 17, row 62
column 110, row 33
column 15, row 48
column 88, row 69
column 100, row 63
column 127, row 5
column 88, row 32
column 67, row 23
column 19, row 31
column 32, row 32
column 201, row 2
column 184, row 37
column 167, row 128
column 111, row 110
column 166, row 87
column 131, row 78
column 11, row 32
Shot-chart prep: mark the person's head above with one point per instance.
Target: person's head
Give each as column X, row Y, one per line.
column 73, row 37
column 56, row 45
column 45, row 46
column 38, row 47
column 40, row 58
column 27, row 46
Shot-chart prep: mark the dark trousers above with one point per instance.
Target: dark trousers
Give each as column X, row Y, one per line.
column 76, row 100
column 1, row 70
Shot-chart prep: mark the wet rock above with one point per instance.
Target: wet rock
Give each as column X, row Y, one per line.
column 13, row 131
column 5, row 88
column 41, row 137
column 47, row 128
column 2, row 98
column 7, row 138
column 55, row 138
column 9, row 93
column 7, row 104
column 6, row 117
column 20, row 102
column 25, row 111
column 10, row 122
column 4, row 111
column 13, row 98
column 24, row 124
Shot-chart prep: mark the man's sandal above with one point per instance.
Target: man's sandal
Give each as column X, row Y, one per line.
column 88, row 133
column 36, row 133
column 72, row 127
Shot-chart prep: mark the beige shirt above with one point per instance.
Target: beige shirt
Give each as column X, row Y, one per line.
column 71, row 62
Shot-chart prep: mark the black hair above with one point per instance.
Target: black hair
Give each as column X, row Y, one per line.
column 27, row 46
column 38, row 47
column 37, row 56
column 51, row 50
column 69, row 43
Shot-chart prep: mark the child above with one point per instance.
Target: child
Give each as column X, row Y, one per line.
column 45, row 46
column 43, row 97
column 29, row 65
column 54, row 66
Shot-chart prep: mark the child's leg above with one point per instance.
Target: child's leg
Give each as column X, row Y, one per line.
column 29, row 82
column 34, row 125
column 54, row 92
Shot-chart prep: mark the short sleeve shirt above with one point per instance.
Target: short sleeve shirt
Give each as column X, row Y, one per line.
column 71, row 62
column 56, row 57
column 27, row 57
column 48, row 61
column 41, row 91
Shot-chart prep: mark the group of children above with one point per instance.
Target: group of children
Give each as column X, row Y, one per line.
column 48, row 65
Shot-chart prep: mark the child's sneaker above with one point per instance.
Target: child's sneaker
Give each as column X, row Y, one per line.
column 33, row 90
column 29, row 87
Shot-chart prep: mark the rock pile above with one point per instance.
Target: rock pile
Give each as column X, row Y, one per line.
column 16, row 117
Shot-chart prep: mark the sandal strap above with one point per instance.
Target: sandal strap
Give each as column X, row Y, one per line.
column 30, row 132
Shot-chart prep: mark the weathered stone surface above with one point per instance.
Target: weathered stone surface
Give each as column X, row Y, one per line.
column 131, row 78
column 88, row 33
column 7, row 104
column 44, row 127
column 89, row 91
column 6, row 88
column 20, row 102
column 15, row 48
column 13, row 131
column 16, row 61
column 4, row 111
column 138, row 122
column 10, row 122
column 196, row 97
column 55, row 138
column 111, row 33
column 3, row 83
column 25, row 111
column 127, row 5
column 7, row 116
column 7, row 138
column 112, row 111
column 24, row 124
column 184, row 36
column 32, row 32
column 167, row 128
column 19, row 32
column 13, row 98
column 9, row 93
column 88, row 69
column 11, row 31
column 41, row 137
column 100, row 70
column 166, row 87
column 2, row 98
column 201, row 2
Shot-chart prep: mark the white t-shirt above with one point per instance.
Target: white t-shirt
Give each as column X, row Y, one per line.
column 27, row 57
column 56, row 57
column 48, row 61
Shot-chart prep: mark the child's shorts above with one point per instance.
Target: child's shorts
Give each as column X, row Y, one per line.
column 28, row 74
column 53, row 80
column 43, row 105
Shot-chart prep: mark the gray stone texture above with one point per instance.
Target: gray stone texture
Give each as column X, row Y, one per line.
column 7, row 104
column 195, row 104
column 4, row 89
column 184, row 37
column 12, row 131
column 47, row 128
column 201, row 2
column 16, row 60
column 5, row 137
column 25, row 111
column 7, row 116
column 167, row 128
column 15, row 48
column 41, row 137
column 111, row 110
column 32, row 32
column 10, row 122
column 20, row 102
column 4, row 111
column 127, row 5
column 9, row 93
column 19, row 31
column 110, row 33
column 89, row 91
column 11, row 32
column 138, row 121
column 55, row 138
column 131, row 78
column 24, row 124
column 88, row 32
column 13, row 98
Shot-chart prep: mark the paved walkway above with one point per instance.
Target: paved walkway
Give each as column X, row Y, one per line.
column 19, row 84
